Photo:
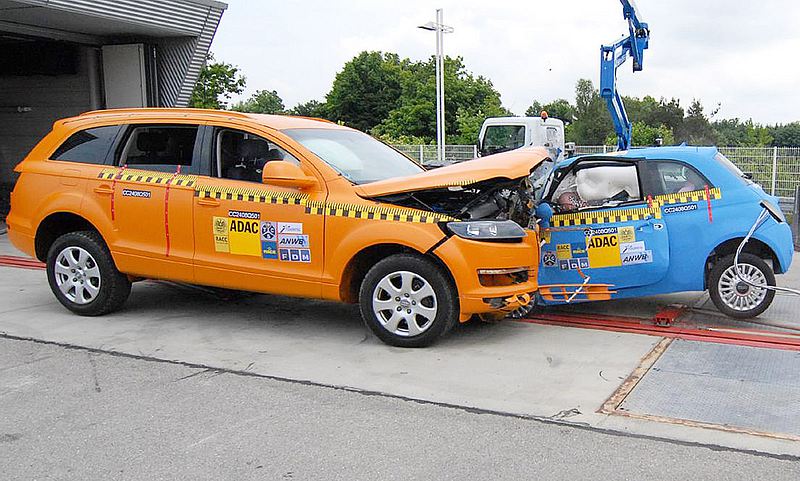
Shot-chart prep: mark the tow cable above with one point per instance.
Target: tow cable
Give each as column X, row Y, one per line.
column 763, row 216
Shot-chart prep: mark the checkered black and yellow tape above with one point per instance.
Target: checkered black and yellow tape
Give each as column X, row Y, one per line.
column 355, row 211
column 148, row 177
column 604, row 216
column 684, row 197
column 244, row 194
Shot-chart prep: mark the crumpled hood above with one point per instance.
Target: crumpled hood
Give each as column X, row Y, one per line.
column 514, row 164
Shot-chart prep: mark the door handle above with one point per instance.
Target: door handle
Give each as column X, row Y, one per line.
column 208, row 202
column 104, row 189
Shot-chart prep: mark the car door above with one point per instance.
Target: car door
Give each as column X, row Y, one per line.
column 149, row 191
column 249, row 235
column 603, row 228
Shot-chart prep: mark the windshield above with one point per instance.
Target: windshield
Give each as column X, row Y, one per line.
column 499, row 138
column 358, row 157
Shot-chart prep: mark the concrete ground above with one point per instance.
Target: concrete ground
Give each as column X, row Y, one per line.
column 304, row 388
column 75, row 414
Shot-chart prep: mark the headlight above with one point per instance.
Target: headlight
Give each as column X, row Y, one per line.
column 487, row 230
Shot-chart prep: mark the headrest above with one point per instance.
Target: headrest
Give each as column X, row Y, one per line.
column 274, row 154
column 253, row 149
column 151, row 141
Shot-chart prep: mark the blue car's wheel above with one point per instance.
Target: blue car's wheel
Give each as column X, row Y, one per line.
column 736, row 298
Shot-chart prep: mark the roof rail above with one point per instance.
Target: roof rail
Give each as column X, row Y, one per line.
column 146, row 110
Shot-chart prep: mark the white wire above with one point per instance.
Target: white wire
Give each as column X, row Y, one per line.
column 761, row 218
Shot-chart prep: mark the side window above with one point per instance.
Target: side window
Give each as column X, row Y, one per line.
column 241, row 155
column 158, row 147
column 88, row 146
column 676, row 177
column 597, row 185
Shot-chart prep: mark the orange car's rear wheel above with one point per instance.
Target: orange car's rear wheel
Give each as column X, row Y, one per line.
column 82, row 275
column 407, row 301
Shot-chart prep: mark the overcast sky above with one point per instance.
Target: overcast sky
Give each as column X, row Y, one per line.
column 740, row 53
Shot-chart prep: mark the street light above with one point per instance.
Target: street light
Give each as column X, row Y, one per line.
column 440, row 30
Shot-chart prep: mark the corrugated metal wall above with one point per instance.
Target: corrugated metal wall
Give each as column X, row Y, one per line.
column 188, row 28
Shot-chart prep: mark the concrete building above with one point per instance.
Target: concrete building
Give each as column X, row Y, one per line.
column 59, row 58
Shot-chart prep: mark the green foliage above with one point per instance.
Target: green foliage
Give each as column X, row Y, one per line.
column 643, row 134
column 261, row 102
column 592, row 122
column 558, row 109
column 734, row 133
column 367, row 89
column 469, row 100
column 786, row 135
column 312, row 108
column 215, row 85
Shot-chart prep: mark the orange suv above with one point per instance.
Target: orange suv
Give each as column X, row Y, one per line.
column 280, row 205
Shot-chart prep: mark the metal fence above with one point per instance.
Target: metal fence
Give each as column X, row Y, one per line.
column 426, row 154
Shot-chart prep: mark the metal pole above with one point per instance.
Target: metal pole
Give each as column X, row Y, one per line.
column 796, row 218
column 439, row 87
column 474, row 151
column 774, row 169
column 421, row 155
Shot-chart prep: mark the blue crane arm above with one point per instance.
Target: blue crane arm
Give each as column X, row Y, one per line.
column 611, row 57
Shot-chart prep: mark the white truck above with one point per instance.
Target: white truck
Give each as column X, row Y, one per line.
column 499, row 134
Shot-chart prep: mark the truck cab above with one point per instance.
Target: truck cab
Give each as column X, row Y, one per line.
column 500, row 134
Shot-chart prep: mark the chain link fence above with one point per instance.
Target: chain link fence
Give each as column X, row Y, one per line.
column 426, row 154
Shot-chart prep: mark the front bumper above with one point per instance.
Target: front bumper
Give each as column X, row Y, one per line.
column 464, row 258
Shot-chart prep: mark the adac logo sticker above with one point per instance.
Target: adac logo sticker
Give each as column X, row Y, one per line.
column 603, row 250
column 549, row 259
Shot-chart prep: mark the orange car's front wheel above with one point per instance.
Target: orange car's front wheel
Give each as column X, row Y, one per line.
column 408, row 301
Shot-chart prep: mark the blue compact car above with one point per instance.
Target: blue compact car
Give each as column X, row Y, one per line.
column 658, row 220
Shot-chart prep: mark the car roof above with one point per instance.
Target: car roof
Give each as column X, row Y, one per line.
column 277, row 122
column 675, row 152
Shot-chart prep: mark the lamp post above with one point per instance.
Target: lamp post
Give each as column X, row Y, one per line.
column 440, row 30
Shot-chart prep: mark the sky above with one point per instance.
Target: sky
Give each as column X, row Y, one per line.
column 741, row 54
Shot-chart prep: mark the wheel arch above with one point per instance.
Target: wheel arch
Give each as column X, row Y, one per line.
column 754, row 246
column 55, row 225
column 358, row 266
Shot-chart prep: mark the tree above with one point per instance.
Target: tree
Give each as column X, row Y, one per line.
column 643, row 135
column 312, row 108
column 469, row 100
column 557, row 109
column 366, row 90
column 593, row 123
column 696, row 128
column 217, row 82
column 786, row 135
column 261, row 102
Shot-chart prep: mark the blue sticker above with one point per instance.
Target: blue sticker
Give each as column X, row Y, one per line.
column 573, row 264
column 583, row 262
column 563, row 265
column 294, row 255
column 305, row 255
column 269, row 250
column 283, row 254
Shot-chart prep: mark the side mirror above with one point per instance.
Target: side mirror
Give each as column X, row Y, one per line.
column 286, row 174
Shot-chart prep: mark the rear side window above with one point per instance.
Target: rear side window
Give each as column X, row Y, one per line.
column 676, row 178
column 88, row 146
column 159, row 147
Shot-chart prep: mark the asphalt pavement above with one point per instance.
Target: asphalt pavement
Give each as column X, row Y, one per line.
column 77, row 414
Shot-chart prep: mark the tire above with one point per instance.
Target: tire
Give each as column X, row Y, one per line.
column 737, row 299
column 424, row 294
column 97, row 287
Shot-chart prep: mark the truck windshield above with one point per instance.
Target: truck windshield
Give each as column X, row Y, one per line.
column 358, row 157
column 500, row 138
